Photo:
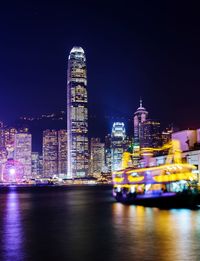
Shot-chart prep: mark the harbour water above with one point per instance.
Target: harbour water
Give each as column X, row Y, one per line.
column 85, row 223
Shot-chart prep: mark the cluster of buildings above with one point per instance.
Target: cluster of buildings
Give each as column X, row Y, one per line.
column 69, row 153
column 19, row 162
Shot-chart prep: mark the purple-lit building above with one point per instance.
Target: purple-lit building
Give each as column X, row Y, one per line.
column 23, row 152
column 187, row 138
column 77, row 114
column 140, row 116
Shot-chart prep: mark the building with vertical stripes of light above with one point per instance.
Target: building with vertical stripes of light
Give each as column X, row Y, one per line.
column 50, row 153
column 77, row 114
column 23, row 152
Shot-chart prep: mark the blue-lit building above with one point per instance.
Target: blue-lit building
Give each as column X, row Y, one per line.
column 77, row 114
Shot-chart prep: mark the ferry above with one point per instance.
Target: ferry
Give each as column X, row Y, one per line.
column 173, row 184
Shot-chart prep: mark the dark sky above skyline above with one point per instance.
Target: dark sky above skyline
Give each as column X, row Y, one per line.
column 134, row 49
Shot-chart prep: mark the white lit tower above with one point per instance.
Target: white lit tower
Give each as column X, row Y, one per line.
column 118, row 145
column 140, row 116
column 77, row 114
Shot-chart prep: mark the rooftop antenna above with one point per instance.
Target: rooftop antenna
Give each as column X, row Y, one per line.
column 140, row 102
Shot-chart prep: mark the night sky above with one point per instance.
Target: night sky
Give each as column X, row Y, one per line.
column 148, row 49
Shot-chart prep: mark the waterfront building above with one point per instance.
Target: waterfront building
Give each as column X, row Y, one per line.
column 2, row 136
column 50, row 153
column 62, row 152
column 77, row 114
column 118, row 145
column 40, row 166
column 140, row 116
column 3, row 152
column 108, row 162
column 151, row 135
column 97, row 156
column 22, row 152
column 54, row 152
column 35, row 164
column 9, row 137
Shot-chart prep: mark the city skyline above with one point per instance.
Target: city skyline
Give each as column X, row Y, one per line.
column 99, row 130
column 158, row 65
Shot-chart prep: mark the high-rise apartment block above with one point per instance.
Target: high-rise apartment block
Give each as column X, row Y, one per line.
column 77, row 114
column 35, row 164
column 62, row 152
column 54, row 152
column 9, row 137
column 50, row 153
column 108, row 160
column 2, row 136
column 22, row 152
column 151, row 134
column 97, row 156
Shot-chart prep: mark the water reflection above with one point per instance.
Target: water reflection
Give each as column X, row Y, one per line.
column 86, row 224
column 12, row 229
column 156, row 234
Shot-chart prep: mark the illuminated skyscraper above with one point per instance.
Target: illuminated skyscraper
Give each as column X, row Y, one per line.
column 139, row 117
column 151, row 135
column 118, row 145
column 97, row 158
column 62, row 152
column 22, row 152
column 3, row 152
column 35, row 164
column 2, row 136
column 77, row 114
column 108, row 160
column 54, row 152
column 40, row 166
column 10, row 141
column 50, row 153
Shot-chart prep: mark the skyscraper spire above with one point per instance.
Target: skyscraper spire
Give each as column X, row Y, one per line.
column 140, row 102
column 139, row 117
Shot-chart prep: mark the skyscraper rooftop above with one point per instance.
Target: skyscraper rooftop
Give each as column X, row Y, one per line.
column 77, row 49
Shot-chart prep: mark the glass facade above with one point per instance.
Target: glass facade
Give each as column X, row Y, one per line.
column 35, row 164
column 77, row 114
column 151, row 135
column 62, row 152
column 50, row 153
column 97, row 156
column 118, row 145
column 23, row 151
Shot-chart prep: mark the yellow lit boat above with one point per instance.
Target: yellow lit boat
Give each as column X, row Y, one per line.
column 169, row 185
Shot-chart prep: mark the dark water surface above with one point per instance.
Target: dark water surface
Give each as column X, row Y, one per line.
column 85, row 223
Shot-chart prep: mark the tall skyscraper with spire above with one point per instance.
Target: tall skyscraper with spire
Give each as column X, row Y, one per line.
column 140, row 116
column 77, row 114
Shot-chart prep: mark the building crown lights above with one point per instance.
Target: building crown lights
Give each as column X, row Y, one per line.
column 77, row 49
